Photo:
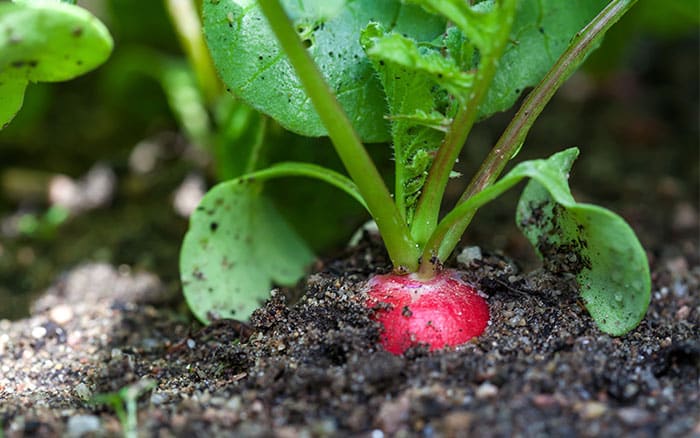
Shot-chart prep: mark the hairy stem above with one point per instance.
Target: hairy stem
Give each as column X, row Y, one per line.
column 402, row 249
column 427, row 212
column 514, row 135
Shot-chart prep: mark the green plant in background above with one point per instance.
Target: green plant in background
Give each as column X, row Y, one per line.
column 211, row 119
column 125, row 404
column 418, row 74
column 45, row 41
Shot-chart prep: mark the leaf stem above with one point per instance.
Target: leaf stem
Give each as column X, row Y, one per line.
column 427, row 212
column 185, row 19
column 514, row 135
column 402, row 249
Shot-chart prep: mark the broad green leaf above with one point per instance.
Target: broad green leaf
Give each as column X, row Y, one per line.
column 541, row 32
column 403, row 52
column 238, row 244
column 592, row 243
column 301, row 200
column 408, row 78
column 11, row 98
column 236, row 248
column 49, row 41
column 595, row 245
column 249, row 61
column 478, row 23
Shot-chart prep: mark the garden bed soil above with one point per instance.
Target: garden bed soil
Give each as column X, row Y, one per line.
column 542, row 368
column 309, row 365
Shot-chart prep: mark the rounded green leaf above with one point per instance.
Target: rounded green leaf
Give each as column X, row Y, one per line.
column 11, row 98
column 247, row 57
column 592, row 243
column 50, row 41
column 236, row 247
column 589, row 242
column 44, row 40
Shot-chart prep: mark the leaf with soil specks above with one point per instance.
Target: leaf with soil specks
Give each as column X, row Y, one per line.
column 45, row 41
column 236, row 247
column 590, row 242
column 238, row 244
column 249, row 61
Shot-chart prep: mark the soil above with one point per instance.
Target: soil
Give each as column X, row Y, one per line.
column 308, row 363
column 315, row 369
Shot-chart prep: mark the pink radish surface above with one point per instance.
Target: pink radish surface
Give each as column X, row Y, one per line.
column 440, row 312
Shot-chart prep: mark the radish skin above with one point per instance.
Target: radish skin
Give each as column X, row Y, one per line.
column 441, row 312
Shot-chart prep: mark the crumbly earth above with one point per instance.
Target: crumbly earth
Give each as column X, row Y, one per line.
column 314, row 368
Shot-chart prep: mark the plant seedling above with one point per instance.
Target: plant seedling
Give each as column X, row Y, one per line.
column 125, row 404
column 418, row 74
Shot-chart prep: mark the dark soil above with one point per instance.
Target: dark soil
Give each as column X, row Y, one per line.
column 315, row 369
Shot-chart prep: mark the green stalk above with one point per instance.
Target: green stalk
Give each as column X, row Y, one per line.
column 402, row 249
column 514, row 135
column 427, row 212
column 185, row 19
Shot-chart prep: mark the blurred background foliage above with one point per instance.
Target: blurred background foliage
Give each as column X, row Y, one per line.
column 147, row 93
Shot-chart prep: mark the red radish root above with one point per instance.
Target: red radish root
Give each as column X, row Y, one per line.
column 440, row 312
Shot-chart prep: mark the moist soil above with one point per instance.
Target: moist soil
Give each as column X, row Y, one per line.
column 314, row 368
column 308, row 363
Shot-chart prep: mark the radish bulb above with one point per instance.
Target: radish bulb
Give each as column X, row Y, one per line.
column 440, row 312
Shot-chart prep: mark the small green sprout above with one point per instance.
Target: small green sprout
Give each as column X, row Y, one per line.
column 125, row 404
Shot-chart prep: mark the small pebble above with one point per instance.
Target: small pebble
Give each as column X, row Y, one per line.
column 469, row 254
column 61, row 314
column 486, row 390
column 544, row 400
column 158, row 398
column 80, row 425
column 592, row 410
column 683, row 313
column 456, row 423
column 634, row 416
column 38, row 332
column 82, row 391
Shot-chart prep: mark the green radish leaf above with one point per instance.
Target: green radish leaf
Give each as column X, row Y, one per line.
column 594, row 244
column 11, row 98
column 478, row 23
column 238, row 244
column 408, row 78
column 249, row 61
column 403, row 52
column 541, row 32
column 44, row 40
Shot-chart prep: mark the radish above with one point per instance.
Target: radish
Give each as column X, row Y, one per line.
column 441, row 312
column 422, row 90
